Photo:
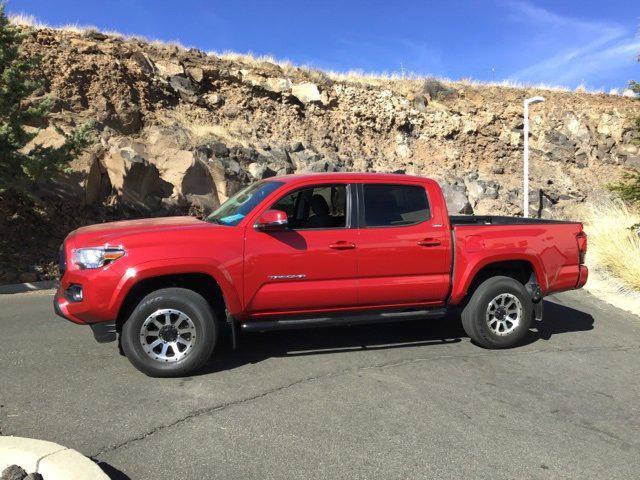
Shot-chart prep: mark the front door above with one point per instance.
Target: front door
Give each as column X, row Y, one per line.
column 311, row 266
column 404, row 248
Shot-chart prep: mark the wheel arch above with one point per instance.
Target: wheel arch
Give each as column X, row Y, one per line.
column 201, row 283
column 525, row 270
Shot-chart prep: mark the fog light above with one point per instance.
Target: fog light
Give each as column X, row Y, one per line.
column 74, row 293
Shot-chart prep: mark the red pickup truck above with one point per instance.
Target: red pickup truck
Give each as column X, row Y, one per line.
column 311, row 250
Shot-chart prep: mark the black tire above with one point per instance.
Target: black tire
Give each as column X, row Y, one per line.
column 475, row 317
column 198, row 311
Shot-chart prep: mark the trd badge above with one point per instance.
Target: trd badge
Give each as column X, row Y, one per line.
column 287, row 277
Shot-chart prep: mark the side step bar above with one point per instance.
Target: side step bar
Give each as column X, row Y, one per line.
column 332, row 321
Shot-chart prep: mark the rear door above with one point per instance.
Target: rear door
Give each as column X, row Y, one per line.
column 403, row 246
column 312, row 266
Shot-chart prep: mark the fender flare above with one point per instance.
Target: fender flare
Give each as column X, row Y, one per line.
column 468, row 275
column 175, row 266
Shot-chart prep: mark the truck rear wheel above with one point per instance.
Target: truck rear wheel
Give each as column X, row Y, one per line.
column 172, row 332
column 498, row 314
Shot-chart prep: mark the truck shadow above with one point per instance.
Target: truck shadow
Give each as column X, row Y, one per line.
column 559, row 318
column 256, row 347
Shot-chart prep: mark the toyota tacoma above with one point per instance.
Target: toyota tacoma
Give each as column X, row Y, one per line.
column 311, row 250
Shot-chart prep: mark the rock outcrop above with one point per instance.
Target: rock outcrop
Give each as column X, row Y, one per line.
column 179, row 127
column 180, row 130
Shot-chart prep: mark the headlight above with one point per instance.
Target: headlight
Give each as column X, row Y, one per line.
column 96, row 257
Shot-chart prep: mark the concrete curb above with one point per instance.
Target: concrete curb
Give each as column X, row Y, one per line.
column 52, row 461
column 612, row 291
column 28, row 287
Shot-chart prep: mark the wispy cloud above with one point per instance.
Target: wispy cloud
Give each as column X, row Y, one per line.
column 400, row 55
column 580, row 51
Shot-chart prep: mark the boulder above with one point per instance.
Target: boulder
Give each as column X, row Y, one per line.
column 142, row 60
column 149, row 179
column 13, row 472
column 220, row 150
column 97, row 184
column 420, row 103
column 231, row 166
column 576, row 129
column 306, row 92
column 321, row 166
column 456, row 199
column 478, row 189
column 302, row 160
column 297, row 147
column 182, row 84
column 160, row 138
column 196, row 74
column 260, row 170
column 118, row 113
column 135, row 180
column 630, row 154
column 34, row 476
column 558, row 147
column 403, row 151
column 612, row 126
column 581, row 158
column 188, row 177
column 278, row 85
column 217, row 172
column 211, row 100
column 167, row 68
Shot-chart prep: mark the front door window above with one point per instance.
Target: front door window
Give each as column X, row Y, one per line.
column 322, row 206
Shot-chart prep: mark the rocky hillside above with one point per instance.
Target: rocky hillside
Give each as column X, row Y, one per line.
column 178, row 131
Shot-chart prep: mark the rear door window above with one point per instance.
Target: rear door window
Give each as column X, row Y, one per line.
column 394, row 205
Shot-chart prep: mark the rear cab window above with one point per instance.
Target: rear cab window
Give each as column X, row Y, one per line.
column 394, row 205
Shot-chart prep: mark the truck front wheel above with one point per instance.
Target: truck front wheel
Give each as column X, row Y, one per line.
column 172, row 332
column 499, row 313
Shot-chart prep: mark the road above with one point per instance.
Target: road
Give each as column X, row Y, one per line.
column 413, row 400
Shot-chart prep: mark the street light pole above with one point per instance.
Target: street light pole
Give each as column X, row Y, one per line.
column 527, row 102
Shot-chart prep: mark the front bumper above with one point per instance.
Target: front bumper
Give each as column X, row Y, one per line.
column 103, row 332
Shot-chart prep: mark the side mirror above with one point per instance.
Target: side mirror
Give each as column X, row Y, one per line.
column 272, row 220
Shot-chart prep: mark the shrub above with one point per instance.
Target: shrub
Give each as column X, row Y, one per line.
column 629, row 188
column 20, row 170
column 437, row 90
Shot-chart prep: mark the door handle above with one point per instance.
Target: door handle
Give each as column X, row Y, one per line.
column 342, row 245
column 429, row 242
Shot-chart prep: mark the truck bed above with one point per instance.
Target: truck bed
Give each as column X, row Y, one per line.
column 550, row 247
column 460, row 220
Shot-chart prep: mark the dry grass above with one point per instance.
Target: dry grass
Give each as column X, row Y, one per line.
column 250, row 58
column 614, row 248
column 202, row 131
column 406, row 80
column 25, row 20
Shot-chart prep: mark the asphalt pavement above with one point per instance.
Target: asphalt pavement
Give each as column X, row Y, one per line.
column 399, row 401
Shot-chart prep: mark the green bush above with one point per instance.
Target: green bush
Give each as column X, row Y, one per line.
column 629, row 188
column 20, row 170
column 437, row 90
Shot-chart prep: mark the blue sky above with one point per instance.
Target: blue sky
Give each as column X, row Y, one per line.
column 567, row 43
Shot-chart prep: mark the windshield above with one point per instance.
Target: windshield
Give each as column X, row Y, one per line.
column 240, row 205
